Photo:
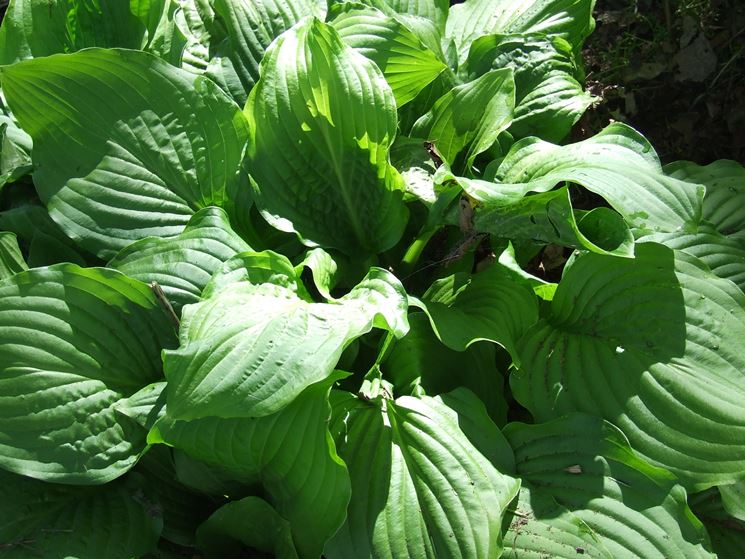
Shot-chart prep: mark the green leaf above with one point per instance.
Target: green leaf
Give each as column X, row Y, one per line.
column 146, row 405
column 163, row 37
column 470, row 116
column 421, row 488
column 410, row 157
column 249, row 27
column 569, row 19
column 196, row 20
column 480, row 429
column 511, row 268
column 724, row 203
column 15, row 151
column 324, row 268
column 183, row 510
column 112, row 173
column 541, row 527
column 183, row 265
column 727, row 533
column 411, row 112
column 290, row 453
column 604, row 495
column 420, row 360
column 406, row 63
column 733, row 499
column 256, row 268
column 317, row 171
column 617, row 164
column 250, row 522
column 434, row 11
column 718, row 241
column 38, row 28
column 549, row 98
column 725, row 256
column 206, row 479
column 46, row 249
column 37, row 519
column 464, row 309
column 11, row 259
column 550, row 218
column 76, row 344
column 651, row 344
column 47, row 244
column 251, row 349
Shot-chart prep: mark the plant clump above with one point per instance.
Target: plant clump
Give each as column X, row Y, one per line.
column 300, row 278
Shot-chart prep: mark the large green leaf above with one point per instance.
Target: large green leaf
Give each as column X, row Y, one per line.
column 163, row 35
column 37, row 28
column 250, row 349
column 249, row 522
column 618, row 164
column 290, row 453
column 196, row 20
column 603, row 495
column 406, row 63
column 256, row 268
column 549, row 98
column 489, row 305
column 183, row 265
column 568, row 19
column 421, row 488
column 322, row 119
column 724, row 203
column 249, row 27
column 419, row 361
column 212, row 480
column 434, row 11
column 182, row 509
column 653, row 345
column 11, row 259
column 718, row 241
column 549, row 217
column 118, row 521
column 470, row 116
column 113, row 172
column 411, row 112
column 725, row 256
column 541, row 527
column 76, row 343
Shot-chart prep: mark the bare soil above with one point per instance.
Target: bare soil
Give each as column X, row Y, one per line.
column 675, row 71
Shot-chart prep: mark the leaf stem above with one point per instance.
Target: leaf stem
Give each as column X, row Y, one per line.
column 414, row 252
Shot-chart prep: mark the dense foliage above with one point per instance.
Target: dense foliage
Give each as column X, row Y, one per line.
column 308, row 278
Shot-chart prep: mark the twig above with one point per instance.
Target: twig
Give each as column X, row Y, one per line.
column 724, row 68
column 668, row 18
column 165, row 304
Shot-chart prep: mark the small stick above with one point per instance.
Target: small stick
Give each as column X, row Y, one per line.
column 165, row 304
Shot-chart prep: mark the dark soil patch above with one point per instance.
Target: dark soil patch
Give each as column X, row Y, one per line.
column 675, row 71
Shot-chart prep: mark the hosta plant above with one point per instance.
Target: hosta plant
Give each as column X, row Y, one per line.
column 300, row 278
